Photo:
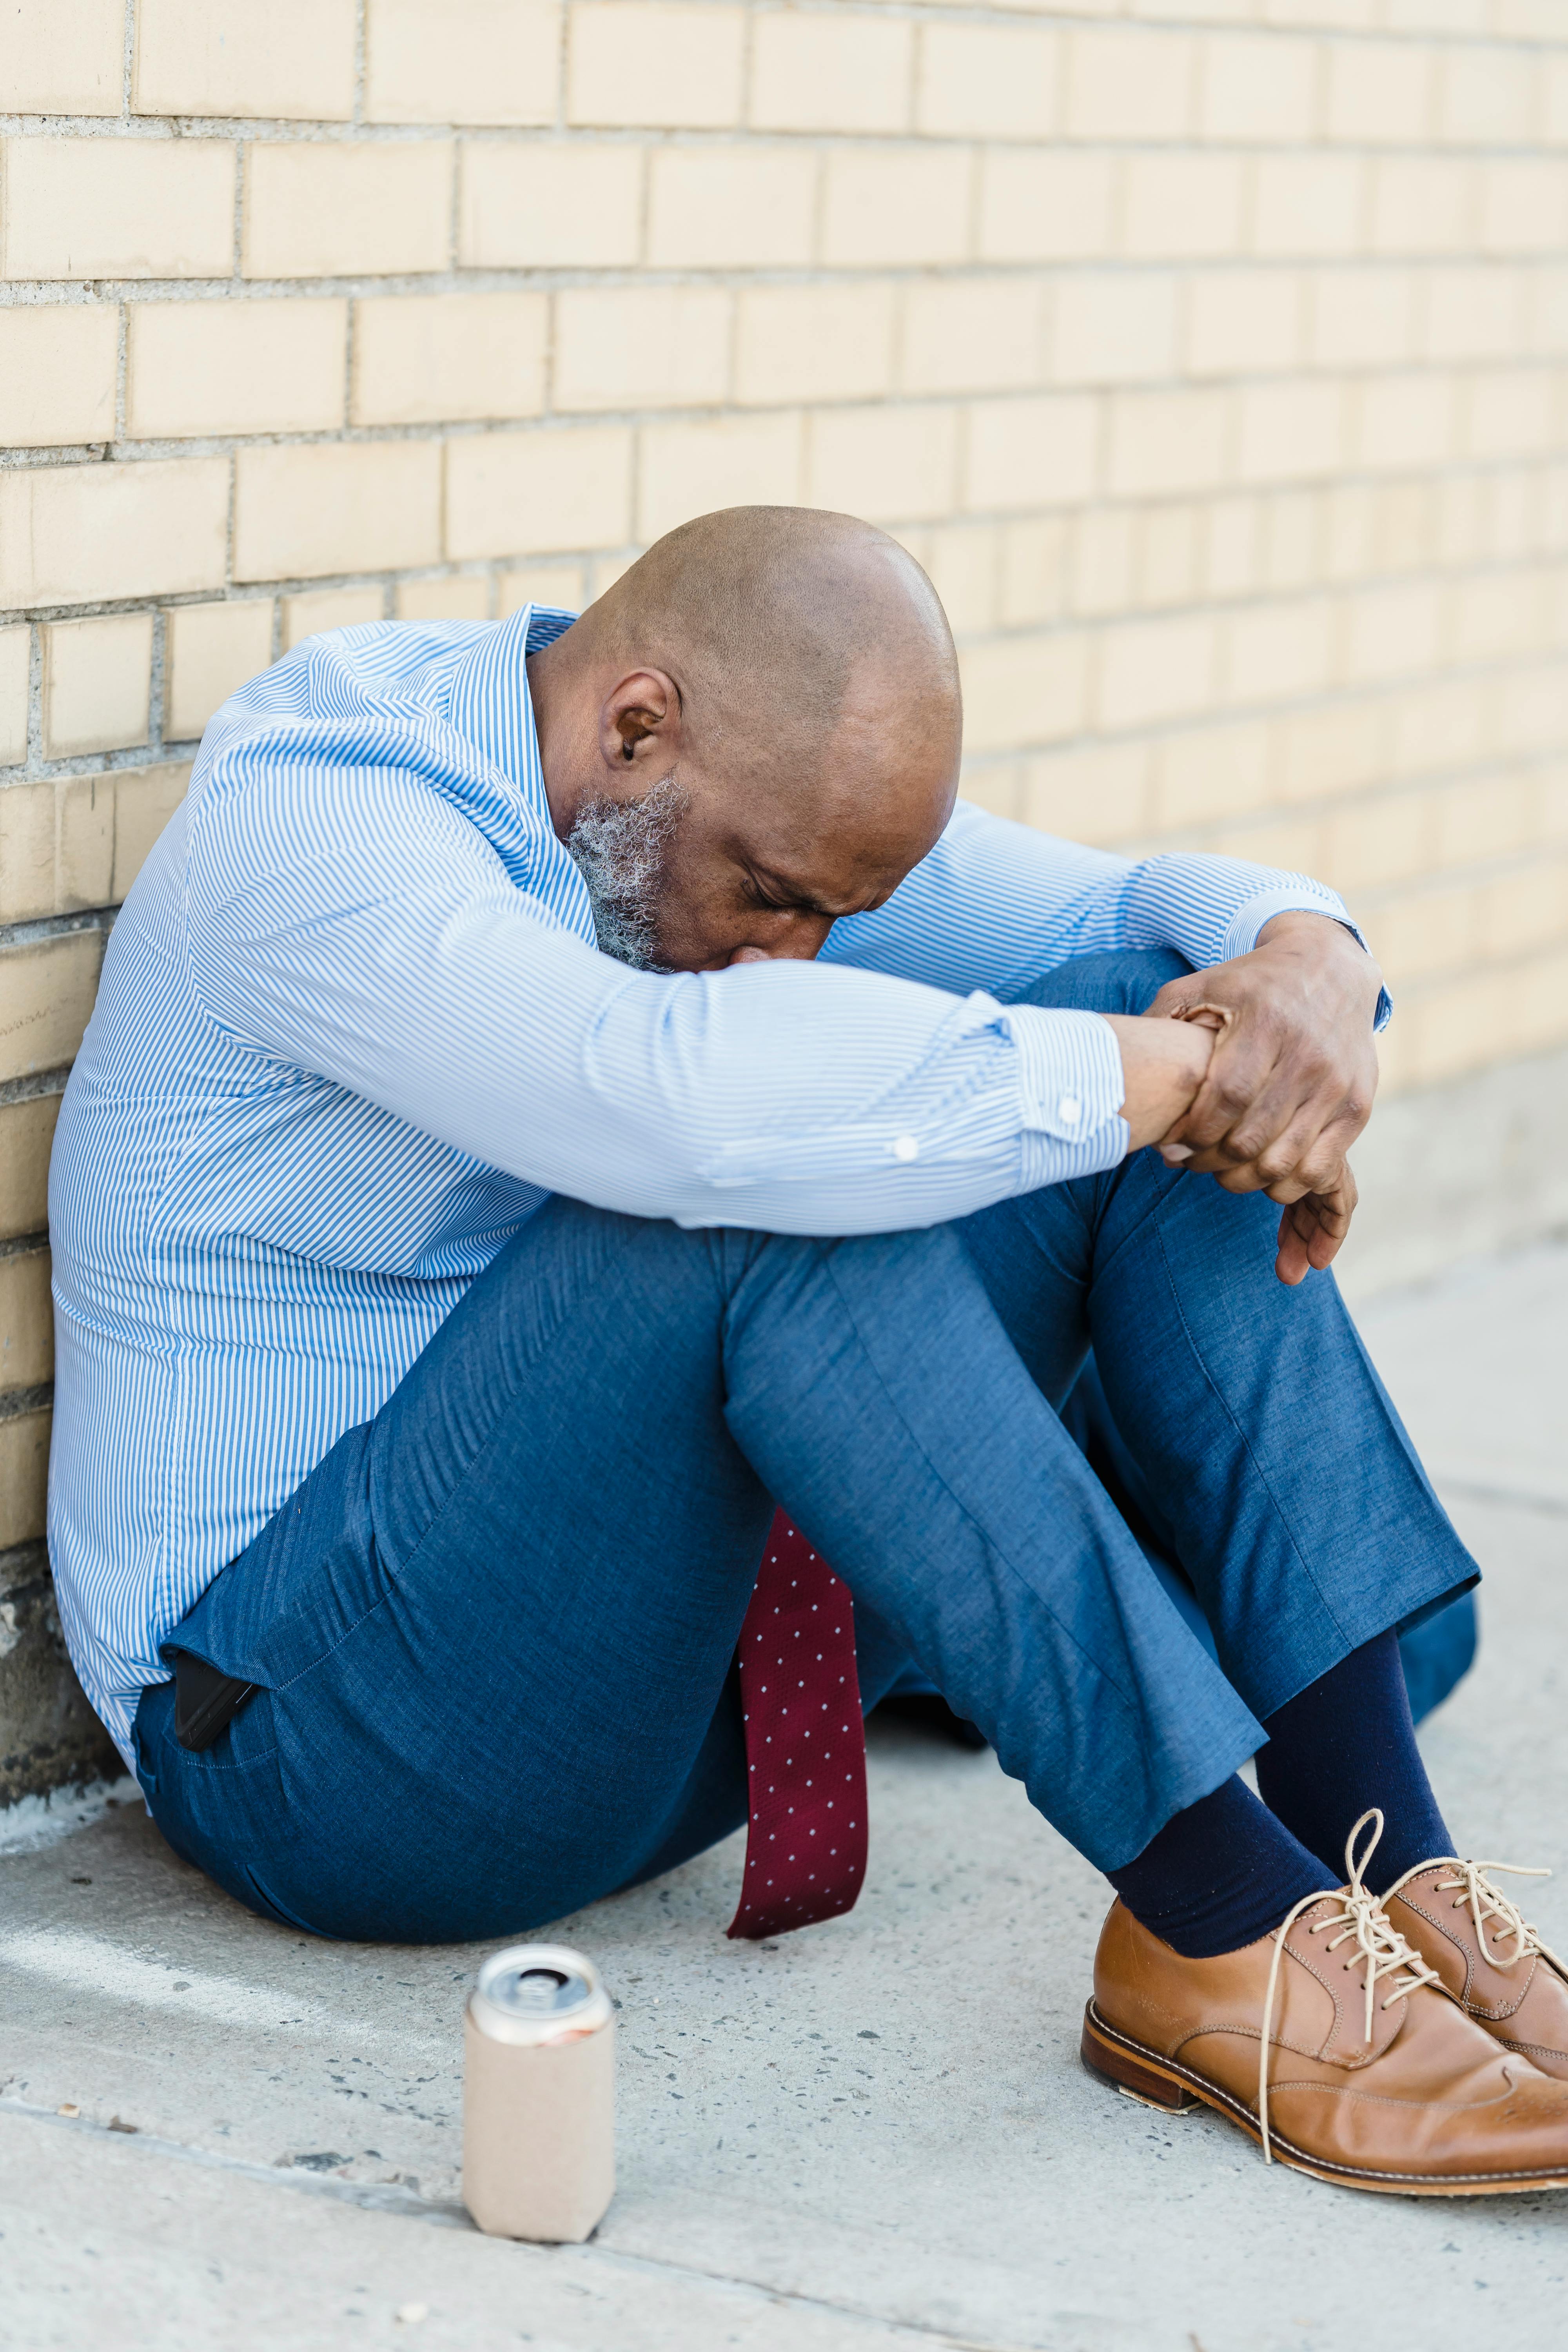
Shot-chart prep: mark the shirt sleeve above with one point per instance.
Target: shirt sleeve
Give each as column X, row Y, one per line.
column 364, row 930
column 996, row 904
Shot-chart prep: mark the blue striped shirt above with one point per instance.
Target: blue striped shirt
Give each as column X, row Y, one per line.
column 353, row 1029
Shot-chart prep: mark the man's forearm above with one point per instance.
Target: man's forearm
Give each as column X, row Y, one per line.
column 998, row 905
column 1217, row 910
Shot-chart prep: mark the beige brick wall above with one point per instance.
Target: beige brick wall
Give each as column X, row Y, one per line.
column 1213, row 355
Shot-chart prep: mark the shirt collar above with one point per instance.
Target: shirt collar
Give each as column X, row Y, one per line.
column 490, row 701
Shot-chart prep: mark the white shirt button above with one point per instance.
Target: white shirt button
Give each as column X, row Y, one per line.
column 906, row 1148
column 1070, row 1111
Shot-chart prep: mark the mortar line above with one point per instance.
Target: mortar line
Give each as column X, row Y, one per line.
column 57, row 926
column 236, row 284
column 33, row 759
column 117, row 430
column 35, row 1083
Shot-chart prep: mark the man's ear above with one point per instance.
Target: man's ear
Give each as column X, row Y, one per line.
column 640, row 722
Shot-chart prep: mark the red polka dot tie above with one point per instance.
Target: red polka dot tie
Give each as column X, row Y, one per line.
column 805, row 1744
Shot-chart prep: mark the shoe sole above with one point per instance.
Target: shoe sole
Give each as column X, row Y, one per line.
column 1165, row 2084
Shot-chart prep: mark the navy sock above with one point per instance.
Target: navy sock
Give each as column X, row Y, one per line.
column 1219, row 1875
column 1342, row 1745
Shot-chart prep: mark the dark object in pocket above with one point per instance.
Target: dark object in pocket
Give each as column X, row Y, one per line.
column 205, row 1701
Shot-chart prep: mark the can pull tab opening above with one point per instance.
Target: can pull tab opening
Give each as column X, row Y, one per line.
column 539, row 1990
column 552, row 1997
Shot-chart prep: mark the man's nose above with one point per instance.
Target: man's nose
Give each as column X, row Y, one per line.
column 799, row 945
column 792, row 936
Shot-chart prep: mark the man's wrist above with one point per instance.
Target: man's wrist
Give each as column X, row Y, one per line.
column 1164, row 1063
column 1255, row 919
column 1304, row 925
column 1308, row 921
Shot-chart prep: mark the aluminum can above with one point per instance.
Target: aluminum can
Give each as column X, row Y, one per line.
column 539, row 2095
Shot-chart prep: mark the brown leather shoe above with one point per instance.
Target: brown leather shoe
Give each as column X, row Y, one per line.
column 1333, row 2044
column 1489, row 1955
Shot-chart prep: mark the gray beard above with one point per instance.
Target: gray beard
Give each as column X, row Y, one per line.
column 619, row 848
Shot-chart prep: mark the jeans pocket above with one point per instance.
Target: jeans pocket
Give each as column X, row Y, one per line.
column 227, row 1799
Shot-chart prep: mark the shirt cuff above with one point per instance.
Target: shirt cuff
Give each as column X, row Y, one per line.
column 1071, row 1087
column 1241, row 933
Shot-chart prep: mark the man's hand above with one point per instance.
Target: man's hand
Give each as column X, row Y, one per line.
column 1291, row 1082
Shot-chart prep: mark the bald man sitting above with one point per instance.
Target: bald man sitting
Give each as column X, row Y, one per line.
column 561, row 1086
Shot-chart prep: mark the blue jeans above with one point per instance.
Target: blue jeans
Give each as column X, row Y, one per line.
column 492, row 1632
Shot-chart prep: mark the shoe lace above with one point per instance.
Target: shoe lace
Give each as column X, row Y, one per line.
column 1473, row 1891
column 1389, row 1960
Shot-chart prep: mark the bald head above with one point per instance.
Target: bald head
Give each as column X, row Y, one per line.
column 762, row 717
column 769, row 613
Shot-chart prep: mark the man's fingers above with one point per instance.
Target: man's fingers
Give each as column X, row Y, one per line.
column 1275, row 1133
column 1291, row 1263
column 1293, row 1259
column 1312, row 1228
column 1177, row 997
column 1344, row 1197
column 1246, row 1179
column 1295, row 1128
column 1263, row 1100
column 1295, row 1106
column 1310, row 1155
column 1303, row 1244
column 1323, row 1168
column 1306, row 1158
column 1297, row 1085
column 1327, row 1214
column 1237, row 1075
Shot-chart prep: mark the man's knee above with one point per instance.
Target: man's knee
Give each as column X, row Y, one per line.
column 1125, row 983
column 673, row 1267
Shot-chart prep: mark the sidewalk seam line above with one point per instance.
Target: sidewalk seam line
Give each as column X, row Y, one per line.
column 404, row 2203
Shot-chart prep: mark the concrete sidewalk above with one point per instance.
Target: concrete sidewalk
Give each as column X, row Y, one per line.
column 876, row 2132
